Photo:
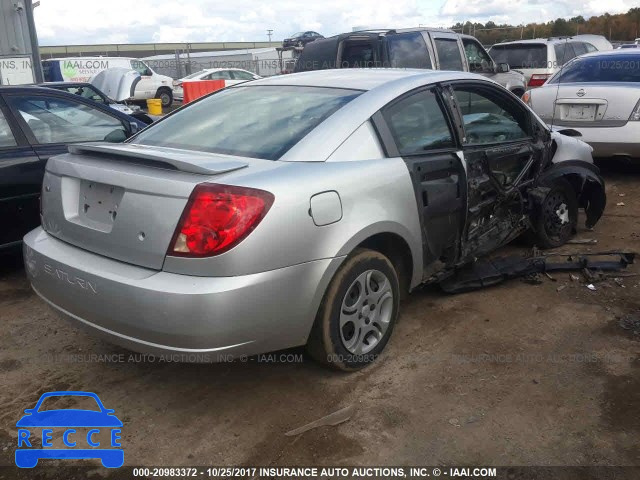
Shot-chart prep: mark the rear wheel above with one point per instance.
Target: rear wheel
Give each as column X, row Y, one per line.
column 557, row 219
column 358, row 312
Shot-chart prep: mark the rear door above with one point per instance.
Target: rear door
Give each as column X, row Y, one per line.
column 407, row 50
column 21, row 174
column 417, row 128
column 500, row 154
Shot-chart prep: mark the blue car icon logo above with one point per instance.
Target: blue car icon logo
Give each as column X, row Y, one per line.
column 71, row 423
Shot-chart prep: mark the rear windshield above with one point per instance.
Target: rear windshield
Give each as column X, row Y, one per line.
column 521, row 55
column 259, row 122
column 603, row 68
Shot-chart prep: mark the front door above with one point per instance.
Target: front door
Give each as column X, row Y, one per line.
column 501, row 159
column 421, row 134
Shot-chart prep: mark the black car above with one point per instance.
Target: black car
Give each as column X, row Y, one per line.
column 300, row 39
column 35, row 124
column 87, row 90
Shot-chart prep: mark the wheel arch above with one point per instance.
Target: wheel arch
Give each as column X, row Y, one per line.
column 587, row 183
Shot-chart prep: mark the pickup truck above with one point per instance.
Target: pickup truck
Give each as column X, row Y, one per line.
column 430, row 48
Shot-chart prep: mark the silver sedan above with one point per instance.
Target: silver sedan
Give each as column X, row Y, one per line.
column 297, row 210
column 598, row 95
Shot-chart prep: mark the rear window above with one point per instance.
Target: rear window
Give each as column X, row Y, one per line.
column 521, row 55
column 602, row 68
column 259, row 122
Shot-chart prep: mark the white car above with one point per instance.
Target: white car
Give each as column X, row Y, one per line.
column 539, row 58
column 597, row 95
column 231, row 76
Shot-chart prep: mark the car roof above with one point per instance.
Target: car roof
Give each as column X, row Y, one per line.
column 363, row 78
column 379, row 85
column 608, row 53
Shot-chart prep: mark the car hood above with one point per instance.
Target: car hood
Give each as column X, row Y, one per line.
column 69, row 418
column 117, row 83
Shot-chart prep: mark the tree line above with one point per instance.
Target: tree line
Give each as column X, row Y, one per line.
column 622, row 27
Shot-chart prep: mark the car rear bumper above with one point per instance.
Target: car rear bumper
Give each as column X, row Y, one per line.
column 190, row 318
column 613, row 141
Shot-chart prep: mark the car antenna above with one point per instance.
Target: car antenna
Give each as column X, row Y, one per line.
column 555, row 101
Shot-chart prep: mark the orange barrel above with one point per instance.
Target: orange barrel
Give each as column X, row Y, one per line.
column 199, row 88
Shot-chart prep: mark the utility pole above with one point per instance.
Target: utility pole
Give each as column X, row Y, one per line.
column 269, row 33
column 35, row 48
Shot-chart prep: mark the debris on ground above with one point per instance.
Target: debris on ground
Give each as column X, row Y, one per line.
column 631, row 321
column 493, row 271
column 620, row 204
column 332, row 419
column 591, row 287
column 560, row 288
column 583, row 241
column 574, row 278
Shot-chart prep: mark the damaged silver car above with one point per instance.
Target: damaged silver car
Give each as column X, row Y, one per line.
column 298, row 209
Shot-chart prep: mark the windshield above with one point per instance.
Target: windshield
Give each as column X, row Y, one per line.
column 601, row 68
column 521, row 55
column 259, row 122
column 296, row 35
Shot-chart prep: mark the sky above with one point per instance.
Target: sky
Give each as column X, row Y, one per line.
column 68, row 22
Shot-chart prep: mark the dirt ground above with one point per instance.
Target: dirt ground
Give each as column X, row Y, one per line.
column 518, row 374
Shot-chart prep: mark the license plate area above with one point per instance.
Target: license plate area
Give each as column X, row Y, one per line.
column 582, row 113
column 98, row 204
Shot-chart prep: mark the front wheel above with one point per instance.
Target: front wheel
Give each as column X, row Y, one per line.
column 166, row 96
column 557, row 219
column 358, row 312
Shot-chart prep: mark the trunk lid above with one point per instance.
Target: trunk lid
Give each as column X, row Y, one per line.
column 586, row 104
column 124, row 201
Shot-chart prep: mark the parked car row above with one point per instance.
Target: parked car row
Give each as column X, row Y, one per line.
column 597, row 95
column 290, row 210
column 35, row 124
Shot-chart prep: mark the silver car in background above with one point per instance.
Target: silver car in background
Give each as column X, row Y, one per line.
column 599, row 96
column 297, row 209
column 539, row 58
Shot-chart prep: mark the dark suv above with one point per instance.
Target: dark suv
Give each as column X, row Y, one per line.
column 430, row 48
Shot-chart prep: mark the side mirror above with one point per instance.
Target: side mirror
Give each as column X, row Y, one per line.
column 117, row 136
column 503, row 68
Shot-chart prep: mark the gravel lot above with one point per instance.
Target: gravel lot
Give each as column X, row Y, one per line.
column 518, row 374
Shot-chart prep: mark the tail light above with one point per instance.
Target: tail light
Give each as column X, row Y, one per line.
column 217, row 218
column 538, row 79
column 635, row 115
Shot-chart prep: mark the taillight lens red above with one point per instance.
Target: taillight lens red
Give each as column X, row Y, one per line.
column 538, row 79
column 217, row 218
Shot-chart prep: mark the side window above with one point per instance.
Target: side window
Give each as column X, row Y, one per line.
column 141, row 68
column 237, row 75
column 418, row 124
column 590, row 48
column 490, row 117
column 357, row 55
column 449, row 54
column 58, row 120
column 6, row 137
column 564, row 53
column 579, row 48
column 221, row 75
column 408, row 50
column 478, row 58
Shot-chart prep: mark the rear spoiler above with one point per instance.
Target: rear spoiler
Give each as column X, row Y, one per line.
column 202, row 163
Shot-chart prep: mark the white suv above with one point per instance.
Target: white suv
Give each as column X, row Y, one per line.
column 540, row 58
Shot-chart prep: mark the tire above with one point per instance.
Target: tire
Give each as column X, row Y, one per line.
column 363, row 296
column 166, row 96
column 300, row 44
column 557, row 218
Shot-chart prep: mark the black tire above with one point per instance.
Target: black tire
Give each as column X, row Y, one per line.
column 300, row 43
column 166, row 95
column 557, row 218
column 327, row 339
